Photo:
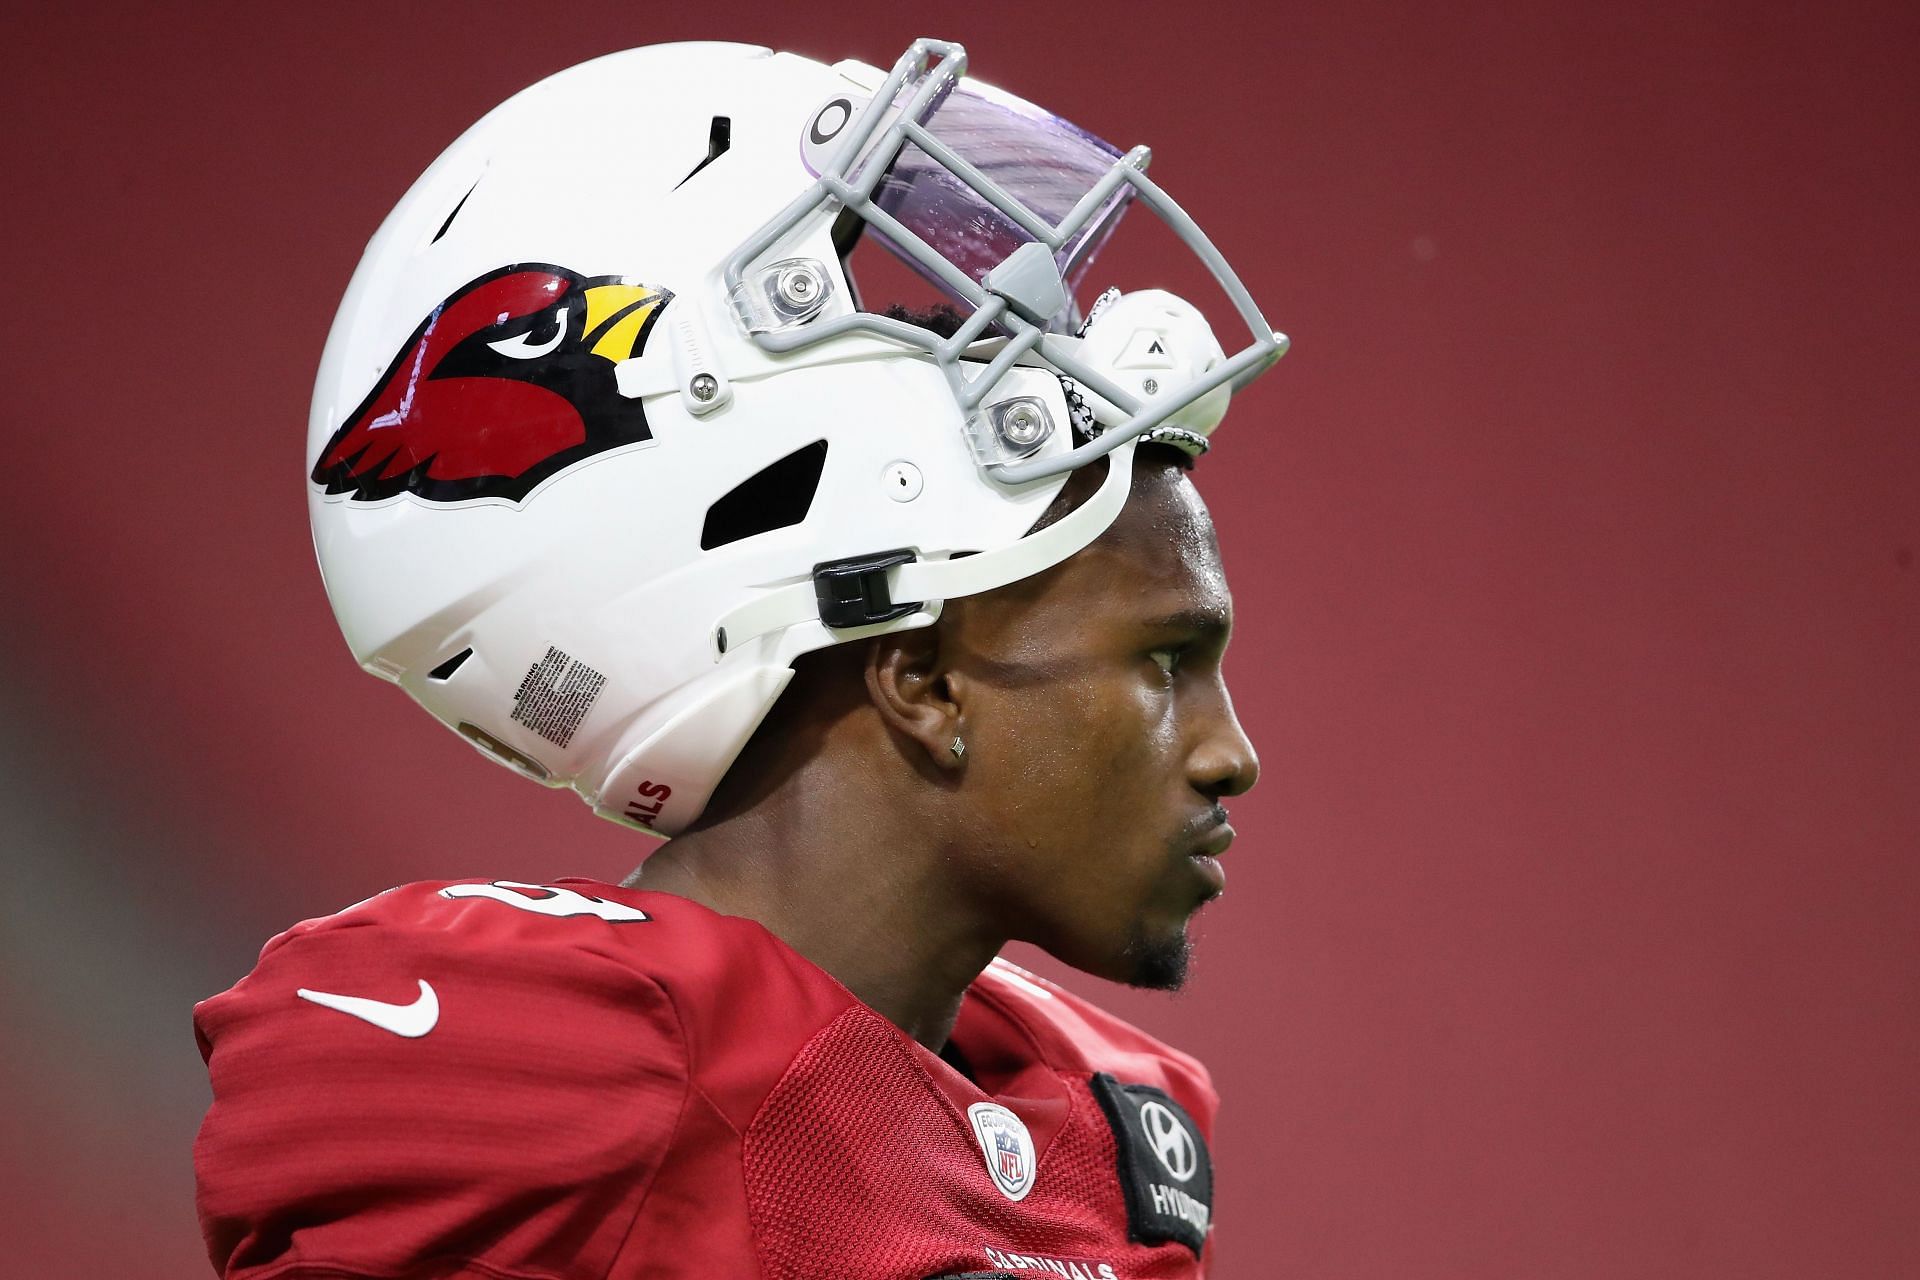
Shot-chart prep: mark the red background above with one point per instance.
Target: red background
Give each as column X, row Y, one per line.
column 1573, row 928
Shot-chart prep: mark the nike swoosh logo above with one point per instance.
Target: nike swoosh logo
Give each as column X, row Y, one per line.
column 409, row 1020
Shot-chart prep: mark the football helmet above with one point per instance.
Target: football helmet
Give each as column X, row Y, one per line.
column 604, row 437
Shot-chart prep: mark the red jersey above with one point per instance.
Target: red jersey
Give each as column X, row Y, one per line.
column 529, row 1082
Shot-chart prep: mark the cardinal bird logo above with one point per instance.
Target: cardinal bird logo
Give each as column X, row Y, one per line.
column 506, row 383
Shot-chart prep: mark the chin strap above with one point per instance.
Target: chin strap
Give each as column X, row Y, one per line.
column 924, row 581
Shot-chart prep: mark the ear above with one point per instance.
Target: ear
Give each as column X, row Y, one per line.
column 914, row 693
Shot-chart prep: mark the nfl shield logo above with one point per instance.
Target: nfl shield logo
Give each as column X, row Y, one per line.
column 1007, row 1146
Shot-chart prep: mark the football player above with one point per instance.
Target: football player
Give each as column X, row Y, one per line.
column 905, row 626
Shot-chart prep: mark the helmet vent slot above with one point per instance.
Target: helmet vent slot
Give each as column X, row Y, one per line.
column 775, row 497
column 719, row 138
column 454, row 213
column 446, row 669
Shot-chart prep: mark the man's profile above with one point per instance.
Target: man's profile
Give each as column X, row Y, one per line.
column 904, row 624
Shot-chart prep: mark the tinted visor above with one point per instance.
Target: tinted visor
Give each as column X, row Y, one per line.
column 982, row 172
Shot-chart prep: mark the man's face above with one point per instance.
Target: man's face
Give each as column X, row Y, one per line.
column 1101, row 739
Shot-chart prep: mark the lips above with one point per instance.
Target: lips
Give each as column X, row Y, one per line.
column 1212, row 872
column 1205, row 834
column 1210, row 842
column 1216, row 840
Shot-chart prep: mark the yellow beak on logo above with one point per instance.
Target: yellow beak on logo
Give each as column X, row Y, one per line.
column 617, row 315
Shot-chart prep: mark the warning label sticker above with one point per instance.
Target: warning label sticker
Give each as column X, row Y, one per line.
column 556, row 695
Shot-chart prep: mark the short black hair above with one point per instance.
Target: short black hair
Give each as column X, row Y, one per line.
column 940, row 318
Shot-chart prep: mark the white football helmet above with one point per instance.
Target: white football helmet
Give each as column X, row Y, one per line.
column 603, row 438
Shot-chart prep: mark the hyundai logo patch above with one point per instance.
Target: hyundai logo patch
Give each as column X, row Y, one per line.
column 1165, row 1169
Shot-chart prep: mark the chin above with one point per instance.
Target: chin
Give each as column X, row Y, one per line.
column 1157, row 964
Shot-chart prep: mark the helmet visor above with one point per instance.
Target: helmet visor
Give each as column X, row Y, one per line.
column 978, row 172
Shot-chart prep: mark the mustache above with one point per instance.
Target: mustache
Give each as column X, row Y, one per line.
column 1199, row 826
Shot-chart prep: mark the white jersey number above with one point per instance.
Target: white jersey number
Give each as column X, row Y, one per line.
column 546, row 900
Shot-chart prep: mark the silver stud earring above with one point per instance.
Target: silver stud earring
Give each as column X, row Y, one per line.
column 958, row 748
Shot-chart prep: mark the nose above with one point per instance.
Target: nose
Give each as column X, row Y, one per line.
column 1223, row 762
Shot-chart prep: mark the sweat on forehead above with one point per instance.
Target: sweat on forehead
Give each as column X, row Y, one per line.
column 1148, row 459
column 1161, row 544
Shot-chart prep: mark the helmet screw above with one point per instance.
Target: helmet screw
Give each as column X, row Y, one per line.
column 798, row 287
column 1023, row 425
column 1151, row 386
column 704, row 387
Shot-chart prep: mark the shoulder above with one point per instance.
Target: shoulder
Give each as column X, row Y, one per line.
column 526, row 958
column 390, row 1076
column 1075, row 1035
column 467, row 959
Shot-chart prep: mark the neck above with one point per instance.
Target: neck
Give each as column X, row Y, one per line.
column 871, row 902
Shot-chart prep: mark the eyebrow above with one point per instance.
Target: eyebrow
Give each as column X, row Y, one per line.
column 1210, row 624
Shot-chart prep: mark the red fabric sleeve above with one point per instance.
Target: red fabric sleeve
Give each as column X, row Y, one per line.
column 514, row 1138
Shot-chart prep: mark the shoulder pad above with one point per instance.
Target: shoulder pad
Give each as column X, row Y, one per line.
column 440, row 1071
